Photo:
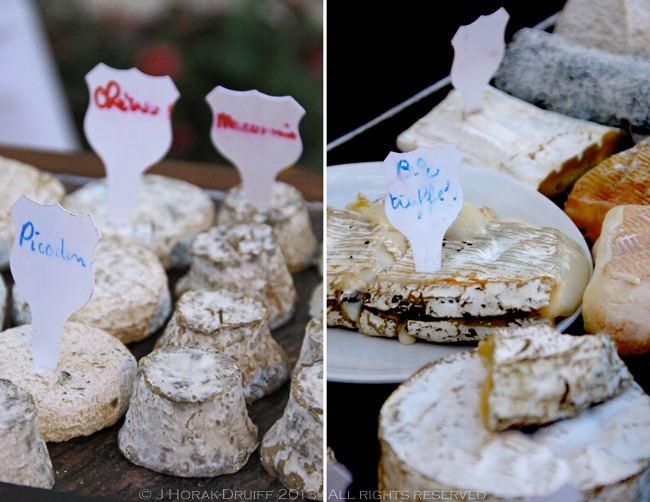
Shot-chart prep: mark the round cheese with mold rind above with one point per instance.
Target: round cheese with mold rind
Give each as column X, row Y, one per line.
column 90, row 388
column 24, row 459
column 244, row 258
column 20, row 179
column 166, row 216
column 292, row 450
column 187, row 415
column 131, row 299
column 433, row 437
column 312, row 344
column 287, row 215
column 237, row 325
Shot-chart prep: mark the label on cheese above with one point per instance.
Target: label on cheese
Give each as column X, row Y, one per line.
column 258, row 134
column 478, row 50
column 52, row 263
column 128, row 125
column 423, row 198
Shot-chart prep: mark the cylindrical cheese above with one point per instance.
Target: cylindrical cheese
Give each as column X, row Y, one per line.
column 312, row 344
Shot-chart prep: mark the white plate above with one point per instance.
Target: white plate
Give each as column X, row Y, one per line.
column 355, row 358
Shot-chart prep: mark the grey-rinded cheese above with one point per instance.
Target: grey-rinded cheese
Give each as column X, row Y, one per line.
column 538, row 375
column 166, row 215
column 90, row 388
column 187, row 415
column 557, row 74
column 131, row 299
column 24, row 459
column 292, row 450
column 312, row 344
column 244, row 258
column 288, row 216
column 433, row 437
column 20, row 179
column 237, row 325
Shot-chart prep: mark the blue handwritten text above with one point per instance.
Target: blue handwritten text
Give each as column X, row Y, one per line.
column 27, row 235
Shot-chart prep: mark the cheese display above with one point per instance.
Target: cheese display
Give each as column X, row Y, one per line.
column 236, row 325
column 167, row 214
column 616, row 300
column 623, row 178
column 495, row 273
column 292, row 450
column 4, row 297
column 621, row 26
column 89, row 390
column 544, row 150
column 433, row 437
column 537, row 375
column 187, row 415
column 24, row 459
column 131, row 299
column 312, row 344
column 287, row 215
column 20, row 179
column 557, row 74
column 244, row 258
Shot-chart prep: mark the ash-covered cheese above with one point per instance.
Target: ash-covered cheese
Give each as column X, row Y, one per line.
column 544, row 150
column 244, row 258
column 166, row 216
column 90, row 388
column 312, row 344
column 24, row 459
column 237, row 325
column 292, row 450
column 557, row 74
column 538, row 375
column 20, row 179
column 433, row 437
column 131, row 299
column 288, row 216
column 187, row 415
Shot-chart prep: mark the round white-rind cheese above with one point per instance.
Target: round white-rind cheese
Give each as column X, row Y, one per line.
column 287, row 215
column 433, row 437
column 166, row 216
column 292, row 450
column 24, row 459
column 20, row 179
column 237, row 325
column 131, row 299
column 90, row 388
column 187, row 415
column 312, row 344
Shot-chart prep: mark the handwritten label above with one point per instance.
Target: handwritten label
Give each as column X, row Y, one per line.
column 423, row 198
column 51, row 262
column 258, row 134
column 478, row 50
column 126, row 127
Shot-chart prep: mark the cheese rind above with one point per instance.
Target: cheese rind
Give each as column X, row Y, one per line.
column 312, row 343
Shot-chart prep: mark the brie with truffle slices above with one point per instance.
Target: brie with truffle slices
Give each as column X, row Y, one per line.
column 495, row 273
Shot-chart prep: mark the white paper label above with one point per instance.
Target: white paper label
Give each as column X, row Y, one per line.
column 423, row 198
column 258, row 134
column 128, row 125
column 52, row 263
column 478, row 50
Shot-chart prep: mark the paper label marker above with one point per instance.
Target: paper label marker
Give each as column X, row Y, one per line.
column 258, row 134
column 52, row 263
column 478, row 50
column 128, row 125
column 423, row 198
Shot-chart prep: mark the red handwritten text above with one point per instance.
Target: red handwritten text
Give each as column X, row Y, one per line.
column 225, row 121
column 111, row 96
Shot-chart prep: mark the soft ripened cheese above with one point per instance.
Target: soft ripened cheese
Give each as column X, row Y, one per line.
column 90, row 388
column 544, row 150
column 24, row 459
column 433, row 437
column 4, row 307
column 187, row 415
column 287, row 215
column 538, row 375
column 292, row 450
column 236, row 325
column 166, row 215
column 312, row 343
